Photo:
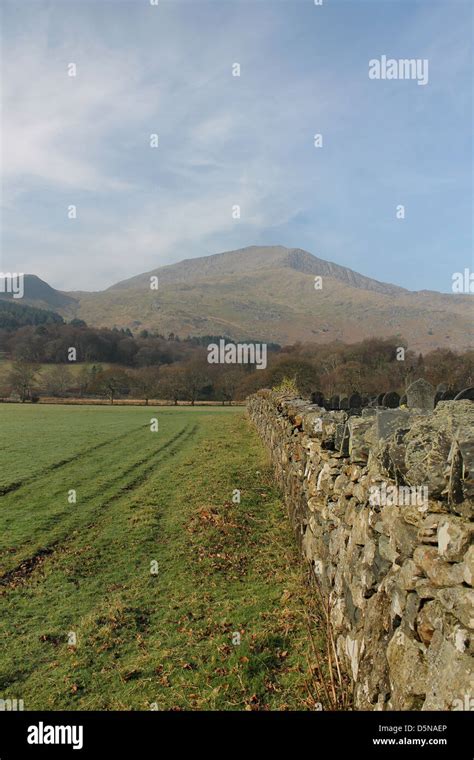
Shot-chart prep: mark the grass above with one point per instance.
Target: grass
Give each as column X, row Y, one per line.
column 135, row 597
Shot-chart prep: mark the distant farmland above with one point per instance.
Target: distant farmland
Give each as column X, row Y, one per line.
column 131, row 597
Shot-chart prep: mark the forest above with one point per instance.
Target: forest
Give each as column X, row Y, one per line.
column 36, row 346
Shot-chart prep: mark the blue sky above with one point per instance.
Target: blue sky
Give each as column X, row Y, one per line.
column 227, row 140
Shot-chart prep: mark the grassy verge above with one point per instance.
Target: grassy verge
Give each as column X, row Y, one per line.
column 160, row 589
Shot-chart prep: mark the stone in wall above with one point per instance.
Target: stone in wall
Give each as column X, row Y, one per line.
column 381, row 503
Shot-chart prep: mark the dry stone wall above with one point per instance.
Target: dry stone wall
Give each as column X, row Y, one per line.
column 382, row 506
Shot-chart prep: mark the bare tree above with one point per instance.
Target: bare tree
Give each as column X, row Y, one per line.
column 21, row 379
column 171, row 383
column 227, row 383
column 111, row 382
column 145, row 382
column 195, row 378
column 57, row 379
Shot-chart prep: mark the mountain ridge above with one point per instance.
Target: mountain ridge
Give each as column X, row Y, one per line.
column 41, row 292
column 269, row 291
column 294, row 258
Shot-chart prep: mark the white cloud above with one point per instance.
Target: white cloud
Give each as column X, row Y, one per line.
column 54, row 126
column 223, row 140
column 61, row 139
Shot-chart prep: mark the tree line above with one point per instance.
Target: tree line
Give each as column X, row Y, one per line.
column 180, row 370
column 37, row 336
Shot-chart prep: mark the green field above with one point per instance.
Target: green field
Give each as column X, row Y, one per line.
column 131, row 597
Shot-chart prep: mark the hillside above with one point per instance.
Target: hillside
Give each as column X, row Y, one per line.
column 256, row 259
column 41, row 295
column 14, row 314
column 268, row 293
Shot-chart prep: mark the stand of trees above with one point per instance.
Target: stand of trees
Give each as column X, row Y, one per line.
column 371, row 367
column 48, row 341
column 148, row 365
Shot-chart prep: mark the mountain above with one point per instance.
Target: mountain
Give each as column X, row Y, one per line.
column 254, row 259
column 38, row 293
column 268, row 293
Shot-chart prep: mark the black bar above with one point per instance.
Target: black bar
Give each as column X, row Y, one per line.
column 317, row 734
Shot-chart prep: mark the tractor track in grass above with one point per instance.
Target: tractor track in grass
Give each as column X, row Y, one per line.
column 12, row 487
column 24, row 570
column 164, row 641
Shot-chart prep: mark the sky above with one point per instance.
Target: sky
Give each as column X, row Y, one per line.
column 226, row 141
